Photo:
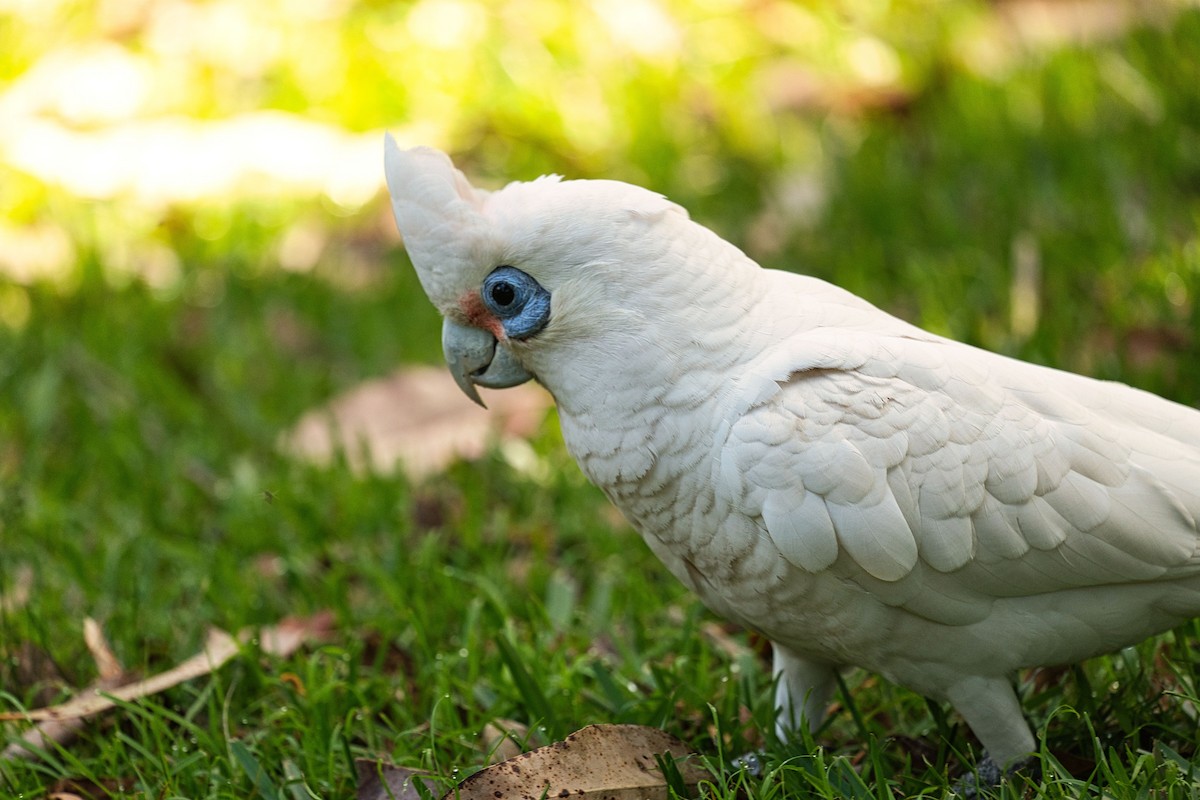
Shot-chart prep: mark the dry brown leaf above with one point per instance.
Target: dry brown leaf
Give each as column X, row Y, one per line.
column 615, row 762
column 378, row 780
column 107, row 664
column 290, row 633
column 54, row 731
column 219, row 648
column 416, row 419
column 112, row 675
column 279, row 640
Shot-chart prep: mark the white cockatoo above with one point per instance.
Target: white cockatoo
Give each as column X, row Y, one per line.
column 859, row 490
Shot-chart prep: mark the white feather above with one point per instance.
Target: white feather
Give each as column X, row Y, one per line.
column 860, row 490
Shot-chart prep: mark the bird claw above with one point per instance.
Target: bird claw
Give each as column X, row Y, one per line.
column 750, row 762
column 986, row 776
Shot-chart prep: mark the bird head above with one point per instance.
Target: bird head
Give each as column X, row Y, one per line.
column 543, row 278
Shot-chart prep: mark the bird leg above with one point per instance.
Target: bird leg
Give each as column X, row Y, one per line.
column 802, row 691
column 993, row 712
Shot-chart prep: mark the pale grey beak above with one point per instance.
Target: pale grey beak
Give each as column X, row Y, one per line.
column 476, row 359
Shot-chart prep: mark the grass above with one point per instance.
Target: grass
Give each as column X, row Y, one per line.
column 140, row 480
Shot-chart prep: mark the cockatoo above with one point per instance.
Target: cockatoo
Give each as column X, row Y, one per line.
column 857, row 489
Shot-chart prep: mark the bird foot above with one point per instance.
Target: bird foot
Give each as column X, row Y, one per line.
column 750, row 762
column 986, row 776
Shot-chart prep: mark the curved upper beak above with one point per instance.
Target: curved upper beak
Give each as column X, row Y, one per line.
column 476, row 359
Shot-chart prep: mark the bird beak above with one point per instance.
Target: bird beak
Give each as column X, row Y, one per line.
column 476, row 359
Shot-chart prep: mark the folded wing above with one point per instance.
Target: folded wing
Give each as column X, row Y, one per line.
column 942, row 478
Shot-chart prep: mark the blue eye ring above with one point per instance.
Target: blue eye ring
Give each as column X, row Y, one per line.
column 517, row 300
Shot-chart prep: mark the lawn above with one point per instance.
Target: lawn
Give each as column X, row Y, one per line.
column 1052, row 213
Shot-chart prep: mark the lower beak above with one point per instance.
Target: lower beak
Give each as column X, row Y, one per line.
column 476, row 359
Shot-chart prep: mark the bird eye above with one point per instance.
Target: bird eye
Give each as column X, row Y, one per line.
column 507, row 290
column 503, row 293
column 517, row 299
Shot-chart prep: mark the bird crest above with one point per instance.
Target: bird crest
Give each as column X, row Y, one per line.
column 439, row 214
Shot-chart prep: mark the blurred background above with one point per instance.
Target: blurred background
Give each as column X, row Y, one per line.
column 974, row 166
column 195, row 250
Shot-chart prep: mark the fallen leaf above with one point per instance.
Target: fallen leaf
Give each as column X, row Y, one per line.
column 614, row 762
column 378, row 780
column 416, row 419
column 280, row 640
column 107, row 664
column 112, row 675
column 290, row 633
column 219, row 648
column 53, row 731
column 269, row 566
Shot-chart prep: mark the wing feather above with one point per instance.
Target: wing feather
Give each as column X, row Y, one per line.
column 999, row 480
column 999, row 537
column 948, row 544
column 799, row 524
column 876, row 536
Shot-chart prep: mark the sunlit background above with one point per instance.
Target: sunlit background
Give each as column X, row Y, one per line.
column 196, row 252
column 129, row 129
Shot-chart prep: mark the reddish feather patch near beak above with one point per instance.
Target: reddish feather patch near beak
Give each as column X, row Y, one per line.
column 478, row 315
